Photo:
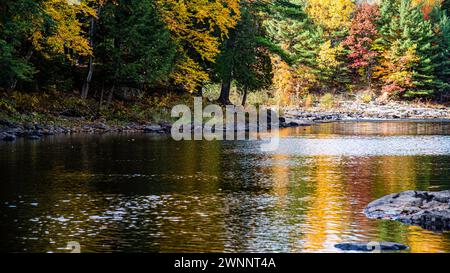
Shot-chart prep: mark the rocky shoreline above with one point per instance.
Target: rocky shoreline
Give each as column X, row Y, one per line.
column 351, row 110
column 11, row 131
column 430, row 210
column 292, row 117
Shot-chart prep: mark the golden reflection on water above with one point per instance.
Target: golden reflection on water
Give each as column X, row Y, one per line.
column 210, row 197
column 328, row 214
column 342, row 187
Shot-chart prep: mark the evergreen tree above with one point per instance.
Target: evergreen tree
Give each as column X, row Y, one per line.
column 442, row 22
column 244, row 59
column 299, row 36
column 134, row 46
column 408, row 28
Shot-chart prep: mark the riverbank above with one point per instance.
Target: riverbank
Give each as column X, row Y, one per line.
column 353, row 110
column 18, row 121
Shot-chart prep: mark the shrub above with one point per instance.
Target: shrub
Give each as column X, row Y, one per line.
column 309, row 100
column 366, row 97
column 327, row 101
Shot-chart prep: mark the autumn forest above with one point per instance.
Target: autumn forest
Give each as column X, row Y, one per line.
column 288, row 48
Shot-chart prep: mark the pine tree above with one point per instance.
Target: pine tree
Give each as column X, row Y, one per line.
column 245, row 55
column 442, row 21
column 298, row 35
column 244, row 59
column 134, row 45
column 404, row 24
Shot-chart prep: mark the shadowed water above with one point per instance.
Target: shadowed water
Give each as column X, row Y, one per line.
column 149, row 193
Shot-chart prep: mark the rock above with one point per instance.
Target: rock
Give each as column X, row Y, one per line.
column 369, row 247
column 166, row 127
column 33, row 137
column 48, row 132
column 430, row 210
column 153, row 128
column 101, row 126
column 6, row 123
column 8, row 137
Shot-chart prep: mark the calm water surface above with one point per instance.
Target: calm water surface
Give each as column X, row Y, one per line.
column 148, row 193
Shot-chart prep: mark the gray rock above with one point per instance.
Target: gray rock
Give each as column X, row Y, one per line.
column 369, row 247
column 430, row 210
column 8, row 137
column 153, row 128
column 33, row 137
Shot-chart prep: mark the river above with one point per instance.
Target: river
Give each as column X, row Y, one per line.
column 146, row 193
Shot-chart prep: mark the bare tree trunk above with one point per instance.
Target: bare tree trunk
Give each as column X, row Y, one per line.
column 85, row 90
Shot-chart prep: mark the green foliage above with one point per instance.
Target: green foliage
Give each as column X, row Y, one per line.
column 245, row 56
column 134, row 45
column 287, row 47
column 16, row 29
column 403, row 25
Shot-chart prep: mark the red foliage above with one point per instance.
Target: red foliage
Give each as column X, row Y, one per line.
column 361, row 36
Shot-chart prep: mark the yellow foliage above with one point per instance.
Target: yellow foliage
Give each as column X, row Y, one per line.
column 67, row 32
column 331, row 14
column 328, row 56
column 189, row 74
column 200, row 26
column 427, row 5
column 395, row 68
column 291, row 83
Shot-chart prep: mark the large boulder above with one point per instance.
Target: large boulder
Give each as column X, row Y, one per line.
column 430, row 210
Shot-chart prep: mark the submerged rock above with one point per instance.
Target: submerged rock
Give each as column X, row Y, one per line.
column 430, row 210
column 368, row 247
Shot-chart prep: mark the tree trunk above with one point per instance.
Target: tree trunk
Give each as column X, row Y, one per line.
column 244, row 99
column 85, row 90
column 110, row 96
column 198, row 91
column 101, row 96
column 225, row 92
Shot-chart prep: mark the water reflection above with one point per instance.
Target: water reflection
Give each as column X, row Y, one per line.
column 143, row 193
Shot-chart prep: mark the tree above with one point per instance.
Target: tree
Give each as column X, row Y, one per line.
column 97, row 5
column 333, row 66
column 134, row 46
column 442, row 21
column 17, row 25
column 47, row 27
column 293, row 31
column 198, row 27
column 396, row 69
column 244, row 58
column 332, row 15
column 405, row 25
column 362, row 35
